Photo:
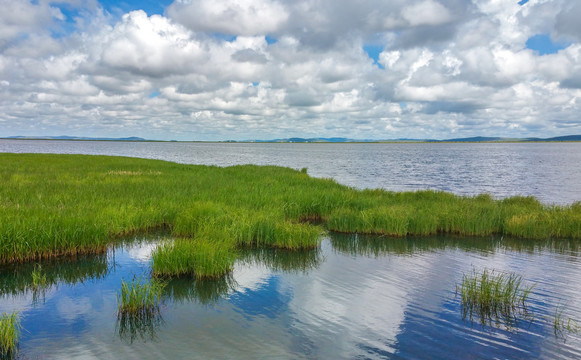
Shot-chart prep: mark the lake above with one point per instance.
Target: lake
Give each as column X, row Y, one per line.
column 354, row 297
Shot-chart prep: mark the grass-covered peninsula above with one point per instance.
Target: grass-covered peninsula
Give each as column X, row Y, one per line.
column 53, row 205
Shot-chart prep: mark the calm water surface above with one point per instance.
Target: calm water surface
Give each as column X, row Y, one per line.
column 549, row 171
column 353, row 298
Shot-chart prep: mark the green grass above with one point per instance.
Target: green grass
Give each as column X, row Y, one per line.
column 201, row 258
column 56, row 205
column 490, row 295
column 138, row 313
column 139, row 298
column 9, row 335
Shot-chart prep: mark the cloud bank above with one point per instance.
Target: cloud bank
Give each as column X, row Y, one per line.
column 249, row 69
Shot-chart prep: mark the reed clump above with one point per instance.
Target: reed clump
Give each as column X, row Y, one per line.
column 139, row 313
column 139, row 298
column 209, row 255
column 493, row 295
column 10, row 330
column 56, row 205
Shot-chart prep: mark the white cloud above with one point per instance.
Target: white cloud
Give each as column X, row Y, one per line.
column 427, row 12
column 234, row 17
column 151, row 46
column 19, row 18
column 175, row 76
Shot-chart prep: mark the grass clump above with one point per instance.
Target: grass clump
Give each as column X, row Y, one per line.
column 9, row 335
column 139, row 298
column 490, row 295
column 138, row 313
column 209, row 255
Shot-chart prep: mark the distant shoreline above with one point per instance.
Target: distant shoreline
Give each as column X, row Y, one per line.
column 564, row 139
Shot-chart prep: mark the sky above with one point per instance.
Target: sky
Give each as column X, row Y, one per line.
column 267, row 69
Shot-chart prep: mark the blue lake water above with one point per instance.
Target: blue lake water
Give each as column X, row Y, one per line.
column 354, row 297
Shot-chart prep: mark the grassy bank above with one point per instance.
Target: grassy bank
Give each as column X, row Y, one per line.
column 53, row 205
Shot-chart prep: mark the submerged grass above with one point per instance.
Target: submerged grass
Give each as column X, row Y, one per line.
column 562, row 324
column 490, row 295
column 9, row 335
column 53, row 205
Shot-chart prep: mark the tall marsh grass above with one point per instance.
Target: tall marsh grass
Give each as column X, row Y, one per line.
column 9, row 335
column 55, row 205
column 209, row 255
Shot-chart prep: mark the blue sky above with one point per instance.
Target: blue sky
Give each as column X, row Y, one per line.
column 225, row 69
column 543, row 44
column 151, row 7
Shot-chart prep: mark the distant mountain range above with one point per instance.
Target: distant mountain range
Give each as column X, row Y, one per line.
column 468, row 139
column 322, row 140
column 490, row 139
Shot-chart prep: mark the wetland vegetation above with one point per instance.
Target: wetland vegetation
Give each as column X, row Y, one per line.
column 138, row 297
column 9, row 335
column 55, row 205
column 493, row 296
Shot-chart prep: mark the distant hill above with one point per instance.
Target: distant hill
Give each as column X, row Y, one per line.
column 308, row 140
column 65, row 137
column 565, row 138
column 467, row 139
column 476, row 139
column 322, row 140
column 500, row 139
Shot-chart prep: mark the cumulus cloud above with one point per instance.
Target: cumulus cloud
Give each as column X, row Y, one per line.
column 19, row 18
column 235, row 17
column 246, row 69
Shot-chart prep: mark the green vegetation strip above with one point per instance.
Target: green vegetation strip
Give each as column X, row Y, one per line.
column 53, row 205
column 9, row 335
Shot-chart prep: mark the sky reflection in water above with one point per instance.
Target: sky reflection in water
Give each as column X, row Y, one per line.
column 356, row 297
